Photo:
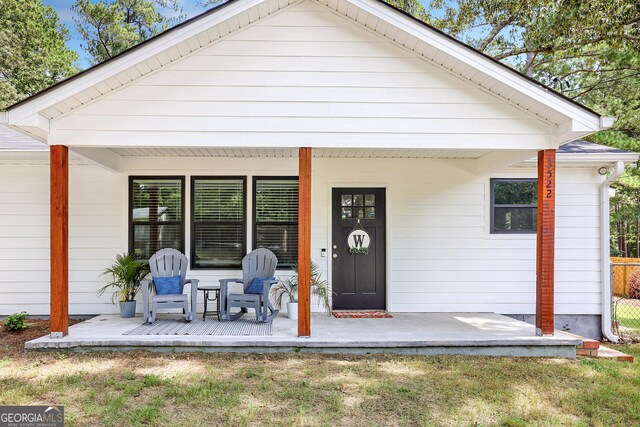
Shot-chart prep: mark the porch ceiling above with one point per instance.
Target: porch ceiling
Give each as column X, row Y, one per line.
column 293, row 152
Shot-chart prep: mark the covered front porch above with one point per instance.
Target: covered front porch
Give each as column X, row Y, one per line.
column 417, row 195
column 485, row 334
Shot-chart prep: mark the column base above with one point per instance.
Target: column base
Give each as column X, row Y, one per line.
column 540, row 334
column 56, row 335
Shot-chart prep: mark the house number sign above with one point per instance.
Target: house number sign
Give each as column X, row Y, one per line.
column 548, row 174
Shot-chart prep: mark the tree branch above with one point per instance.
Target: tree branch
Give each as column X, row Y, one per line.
column 609, row 70
column 494, row 33
column 101, row 40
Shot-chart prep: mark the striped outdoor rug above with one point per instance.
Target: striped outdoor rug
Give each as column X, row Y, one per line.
column 241, row 327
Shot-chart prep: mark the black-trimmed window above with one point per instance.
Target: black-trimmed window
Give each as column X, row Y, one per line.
column 275, row 217
column 218, row 221
column 156, row 214
column 514, row 205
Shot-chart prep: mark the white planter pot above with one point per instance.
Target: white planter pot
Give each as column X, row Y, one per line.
column 292, row 310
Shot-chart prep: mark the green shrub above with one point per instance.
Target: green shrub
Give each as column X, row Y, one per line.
column 16, row 322
column 634, row 285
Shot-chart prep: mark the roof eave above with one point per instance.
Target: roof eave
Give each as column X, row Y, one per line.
column 594, row 158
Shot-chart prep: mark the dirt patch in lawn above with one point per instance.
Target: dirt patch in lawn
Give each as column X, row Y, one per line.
column 13, row 341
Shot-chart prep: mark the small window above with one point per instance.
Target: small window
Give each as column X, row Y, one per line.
column 514, row 205
column 156, row 214
column 359, row 206
column 275, row 215
column 218, row 226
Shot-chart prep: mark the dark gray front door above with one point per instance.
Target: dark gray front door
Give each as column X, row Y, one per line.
column 359, row 280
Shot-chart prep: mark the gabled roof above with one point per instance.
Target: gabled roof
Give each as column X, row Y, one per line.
column 571, row 119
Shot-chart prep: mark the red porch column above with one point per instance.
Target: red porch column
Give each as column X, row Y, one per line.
column 545, row 242
column 304, row 243
column 59, row 234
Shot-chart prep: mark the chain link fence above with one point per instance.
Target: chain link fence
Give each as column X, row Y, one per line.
column 625, row 307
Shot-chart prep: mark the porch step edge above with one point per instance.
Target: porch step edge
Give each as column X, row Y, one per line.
column 301, row 343
column 561, row 351
column 605, row 353
column 587, row 343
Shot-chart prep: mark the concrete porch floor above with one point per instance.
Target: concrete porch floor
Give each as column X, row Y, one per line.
column 406, row 333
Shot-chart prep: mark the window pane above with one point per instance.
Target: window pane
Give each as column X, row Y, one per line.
column 370, row 200
column 282, row 240
column 276, row 200
column 218, row 200
column 346, row 213
column 358, row 200
column 276, row 218
column 515, row 192
column 150, row 238
column 156, row 202
column 370, row 213
column 359, row 213
column 346, row 200
column 218, row 216
column 218, row 245
column 515, row 219
column 160, row 197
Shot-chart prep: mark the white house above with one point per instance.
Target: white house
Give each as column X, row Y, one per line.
column 285, row 123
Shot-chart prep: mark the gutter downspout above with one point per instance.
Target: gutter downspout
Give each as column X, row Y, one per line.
column 605, row 249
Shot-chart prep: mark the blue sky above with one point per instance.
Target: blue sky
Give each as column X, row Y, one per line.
column 63, row 8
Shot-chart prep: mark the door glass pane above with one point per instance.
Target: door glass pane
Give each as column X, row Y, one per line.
column 346, row 213
column 359, row 213
column 370, row 200
column 370, row 213
column 358, row 200
column 346, row 200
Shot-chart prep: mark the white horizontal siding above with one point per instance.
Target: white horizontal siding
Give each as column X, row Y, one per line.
column 97, row 231
column 441, row 254
column 302, row 74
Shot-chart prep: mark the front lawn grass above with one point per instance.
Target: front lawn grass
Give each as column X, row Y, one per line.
column 140, row 388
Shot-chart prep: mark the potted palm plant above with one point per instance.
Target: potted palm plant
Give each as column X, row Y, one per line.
column 287, row 289
column 126, row 274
